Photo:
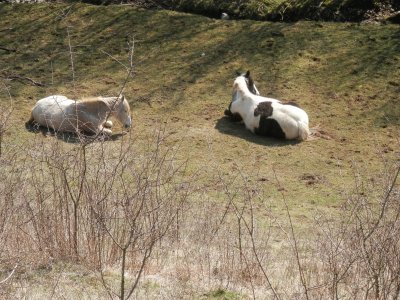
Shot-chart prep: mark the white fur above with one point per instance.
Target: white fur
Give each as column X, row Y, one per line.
column 66, row 115
column 293, row 120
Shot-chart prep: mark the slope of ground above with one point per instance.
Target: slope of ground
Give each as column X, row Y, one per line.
column 346, row 76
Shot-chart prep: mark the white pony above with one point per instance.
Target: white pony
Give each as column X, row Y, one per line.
column 88, row 115
column 266, row 116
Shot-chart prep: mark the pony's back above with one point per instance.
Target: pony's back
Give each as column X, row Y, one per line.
column 299, row 119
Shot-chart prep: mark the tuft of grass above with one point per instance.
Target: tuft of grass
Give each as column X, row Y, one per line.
column 221, row 294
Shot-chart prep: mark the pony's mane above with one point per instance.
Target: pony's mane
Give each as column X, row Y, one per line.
column 109, row 101
column 90, row 99
column 241, row 85
column 93, row 104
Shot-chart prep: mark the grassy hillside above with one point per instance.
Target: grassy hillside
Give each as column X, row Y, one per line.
column 346, row 76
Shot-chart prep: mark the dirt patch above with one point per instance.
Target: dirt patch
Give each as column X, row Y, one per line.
column 312, row 179
column 319, row 133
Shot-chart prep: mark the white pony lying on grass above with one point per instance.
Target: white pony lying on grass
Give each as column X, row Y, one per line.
column 266, row 116
column 88, row 115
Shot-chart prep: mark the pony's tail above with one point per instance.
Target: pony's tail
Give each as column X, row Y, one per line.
column 30, row 122
column 304, row 131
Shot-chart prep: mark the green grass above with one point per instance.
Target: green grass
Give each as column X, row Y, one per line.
column 221, row 294
column 346, row 76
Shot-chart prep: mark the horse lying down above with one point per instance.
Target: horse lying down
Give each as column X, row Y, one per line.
column 266, row 116
column 88, row 115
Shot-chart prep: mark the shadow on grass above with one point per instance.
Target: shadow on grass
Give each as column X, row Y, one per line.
column 226, row 126
column 72, row 138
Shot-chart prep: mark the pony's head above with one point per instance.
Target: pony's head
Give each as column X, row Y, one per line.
column 249, row 82
column 122, row 112
column 243, row 81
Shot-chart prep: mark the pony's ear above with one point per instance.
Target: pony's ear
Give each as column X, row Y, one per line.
column 247, row 75
column 238, row 73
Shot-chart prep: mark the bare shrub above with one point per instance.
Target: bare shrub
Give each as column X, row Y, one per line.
column 101, row 204
column 360, row 253
column 355, row 255
column 131, row 211
column 134, row 218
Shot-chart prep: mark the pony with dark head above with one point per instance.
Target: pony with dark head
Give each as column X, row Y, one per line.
column 88, row 115
column 266, row 116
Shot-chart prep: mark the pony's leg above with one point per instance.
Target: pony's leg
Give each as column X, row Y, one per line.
column 105, row 130
column 31, row 121
column 108, row 124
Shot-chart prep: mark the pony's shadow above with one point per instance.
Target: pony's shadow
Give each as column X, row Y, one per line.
column 70, row 137
column 227, row 125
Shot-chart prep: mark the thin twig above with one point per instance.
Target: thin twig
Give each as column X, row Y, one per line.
column 384, row 204
column 130, row 72
column 115, row 59
column 295, row 246
column 4, row 117
column 9, row 275
column 23, row 78
column 8, row 49
column 71, row 58
column 57, row 283
column 250, row 230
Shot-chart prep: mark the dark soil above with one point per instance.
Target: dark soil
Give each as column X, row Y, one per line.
column 287, row 11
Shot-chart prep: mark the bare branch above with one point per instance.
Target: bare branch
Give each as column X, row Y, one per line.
column 22, row 79
column 295, row 246
column 8, row 49
column 71, row 58
column 9, row 275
